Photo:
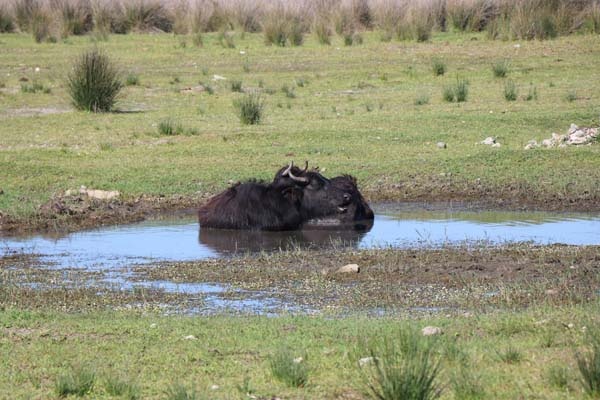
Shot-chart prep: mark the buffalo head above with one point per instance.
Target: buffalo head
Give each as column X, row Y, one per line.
column 337, row 199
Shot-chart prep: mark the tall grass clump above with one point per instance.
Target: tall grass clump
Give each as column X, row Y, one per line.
column 466, row 385
column 168, row 127
column 558, row 376
column 439, row 67
column 76, row 16
column 510, row 91
column 457, row 92
column 24, row 11
column 250, row 108
column 236, row 86
column 322, row 31
column 94, row 83
column 289, row 368
column 78, row 382
column 178, row 391
column 470, row 15
column 115, row 386
column 284, row 26
column 403, row 366
column 148, row 15
column 588, row 363
column 500, row 68
column 7, row 24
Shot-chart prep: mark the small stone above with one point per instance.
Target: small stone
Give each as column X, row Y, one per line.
column 190, row 337
column 219, row 78
column 431, row 331
column 349, row 268
column 102, row 194
column 153, row 325
column 364, row 361
column 570, row 325
column 488, row 141
column 298, row 360
column 441, row 145
column 547, row 143
column 214, row 387
column 496, row 145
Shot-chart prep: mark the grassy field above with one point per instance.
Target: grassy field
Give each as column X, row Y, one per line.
column 348, row 109
column 502, row 356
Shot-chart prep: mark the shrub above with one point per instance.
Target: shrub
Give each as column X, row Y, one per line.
column 448, row 93
column 289, row 91
column 283, row 27
column 510, row 91
column 571, row 96
column 589, row 364
column 500, row 68
column 532, row 94
column 250, row 108
column 78, row 382
column 461, row 90
column 404, row 366
column 236, row 86
column 510, row 355
column 439, row 67
column 288, row 368
column 6, row 20
column 94, row 83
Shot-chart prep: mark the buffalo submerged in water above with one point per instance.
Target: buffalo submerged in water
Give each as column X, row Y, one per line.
column 295, row 199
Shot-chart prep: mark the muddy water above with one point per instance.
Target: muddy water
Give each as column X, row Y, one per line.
column 180, row 239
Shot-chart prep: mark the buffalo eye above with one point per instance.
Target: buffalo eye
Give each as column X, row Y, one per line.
column 347, row 196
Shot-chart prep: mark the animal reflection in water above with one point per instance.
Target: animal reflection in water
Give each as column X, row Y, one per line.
column 229, row 241
column 294, row 199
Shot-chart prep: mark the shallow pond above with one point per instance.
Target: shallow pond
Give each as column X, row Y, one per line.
column 180, row 239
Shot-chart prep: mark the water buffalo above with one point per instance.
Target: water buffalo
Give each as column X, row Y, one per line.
column 294, row 197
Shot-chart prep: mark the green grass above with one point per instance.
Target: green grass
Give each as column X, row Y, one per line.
column 233, row 350
column 289, row 368
column 49, row 153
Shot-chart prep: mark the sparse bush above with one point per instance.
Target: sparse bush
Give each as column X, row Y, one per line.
column 439, row 67
column 422, row 99
column 41, row 26
column 119, row 387
column 226, row 39
column 288, row 91
column 457, row 92
column 589, row 364
column 448, row 93
column 78, row 382
column 250, row 108
column 558, row 376
column 571, row 96
column 24, row 11
column 510, row 355
column 323, row 31
column 510, row 91
column 94, row 83
column 470, row 15
column 34, row 87
column 147, row 15
column 132, row 79
column 6, row 20
column 500, row 68
column 282, row 27
column 404, row 366
column 178, row 391
column 532, row 94
column 168, row 127
column 289, row 368
column 236, row 86
column 76, row 16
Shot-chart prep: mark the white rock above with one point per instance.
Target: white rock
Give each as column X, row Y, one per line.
column 190, row 337
column 349, row 268
column 298, row 360
column 547, row 143
column 496, row 145
column 488, row 141
column 573, row 128
column 441, row 145
column 214, row 387
column 219, row 78
column 101, row 194
column 431, row 331
column 365, row 360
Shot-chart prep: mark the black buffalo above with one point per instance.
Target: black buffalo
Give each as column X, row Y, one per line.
column 294, row 197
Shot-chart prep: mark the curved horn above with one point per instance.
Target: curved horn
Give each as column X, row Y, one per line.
column 297, row 178
column 305, row 166
column 288, row 169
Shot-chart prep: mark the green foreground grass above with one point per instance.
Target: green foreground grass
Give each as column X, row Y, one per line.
column 353, row 110
column 531, row 354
